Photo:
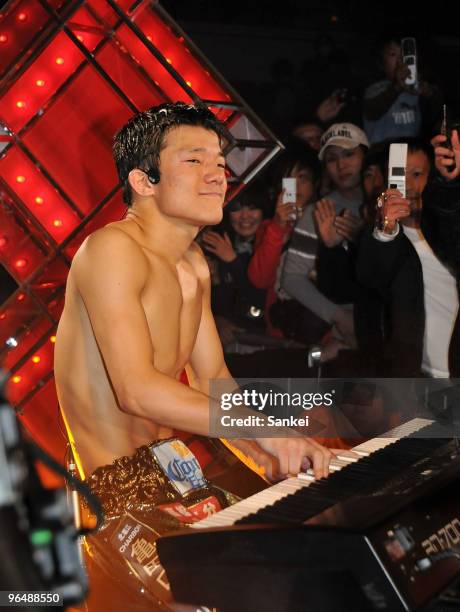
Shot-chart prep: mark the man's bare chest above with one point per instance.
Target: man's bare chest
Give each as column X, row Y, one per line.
column 173, row 309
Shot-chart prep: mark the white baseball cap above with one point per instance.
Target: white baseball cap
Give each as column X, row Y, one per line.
column 345, row 135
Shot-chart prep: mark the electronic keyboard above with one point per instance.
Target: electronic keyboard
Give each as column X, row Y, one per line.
column 382, row 532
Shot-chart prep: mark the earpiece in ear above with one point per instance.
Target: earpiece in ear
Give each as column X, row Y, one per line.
column 153, row 176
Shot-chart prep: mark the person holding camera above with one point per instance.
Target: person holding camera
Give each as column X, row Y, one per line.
column 399, row 106
column 420, row 292
column 299, row 163
column 333, row 220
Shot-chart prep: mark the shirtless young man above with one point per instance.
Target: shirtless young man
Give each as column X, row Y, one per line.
column 137, row 311
column 137, row 307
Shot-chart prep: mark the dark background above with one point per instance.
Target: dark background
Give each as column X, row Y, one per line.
column 294, row 53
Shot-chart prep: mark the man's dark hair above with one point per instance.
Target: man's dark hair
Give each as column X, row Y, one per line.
column 378, row 153
column 417, row 144
column 139, row 142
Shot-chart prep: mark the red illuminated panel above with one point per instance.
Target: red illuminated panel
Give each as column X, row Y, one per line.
column 52, row 279
column 88, row 113
column 16, row 33
column 23, row 258
column 57, row 62
column 16, row 244
column 128, row 78
column 105, row 12
column 40, row 416
column 88, row 37
column 16, row 317
column 43, row 201
column 151, row 65
column 26, row 378
column 27, row 340
column 175, row 50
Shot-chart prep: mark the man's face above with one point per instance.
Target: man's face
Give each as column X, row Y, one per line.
column 193, row 183
column 305, row 185
column 373, row 183
column 311, row 134
column 391, row 57
column 344, row 166
column 417, row 171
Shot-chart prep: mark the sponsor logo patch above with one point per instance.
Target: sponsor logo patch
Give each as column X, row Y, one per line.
column 180, row 465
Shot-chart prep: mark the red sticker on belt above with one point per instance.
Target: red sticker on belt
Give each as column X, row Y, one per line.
column 193, row 513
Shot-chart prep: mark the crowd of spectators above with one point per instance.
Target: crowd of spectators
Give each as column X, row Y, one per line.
column 346, row 266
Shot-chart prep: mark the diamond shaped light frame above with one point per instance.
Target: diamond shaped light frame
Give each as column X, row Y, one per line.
column 71, row 73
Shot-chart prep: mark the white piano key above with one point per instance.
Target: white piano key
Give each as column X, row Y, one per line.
column 306, row 476
column 347, row 459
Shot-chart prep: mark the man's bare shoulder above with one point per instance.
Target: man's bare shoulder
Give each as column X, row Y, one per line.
column 116, row 240
column 196, row 258
column 111, row 251
column 109, row 239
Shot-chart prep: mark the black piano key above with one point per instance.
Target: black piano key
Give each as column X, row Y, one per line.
column 356, row 477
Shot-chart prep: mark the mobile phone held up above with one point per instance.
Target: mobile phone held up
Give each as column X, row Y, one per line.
column 290, row 190
column 397, row 167
column 446, row 130
column 290, row 193
column 409, row 57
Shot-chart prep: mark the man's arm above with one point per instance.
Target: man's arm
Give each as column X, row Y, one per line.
column 441, row 202
column 298, row 264
column 273, row 455
column 207, row 358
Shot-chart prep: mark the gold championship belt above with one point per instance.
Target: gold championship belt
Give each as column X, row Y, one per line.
column 160, row 488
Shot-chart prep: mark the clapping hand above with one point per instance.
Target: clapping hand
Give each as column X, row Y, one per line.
column 221, row 246
column 325, row 217
column 334, row 228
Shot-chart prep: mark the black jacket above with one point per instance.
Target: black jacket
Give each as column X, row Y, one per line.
column 394, row 269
